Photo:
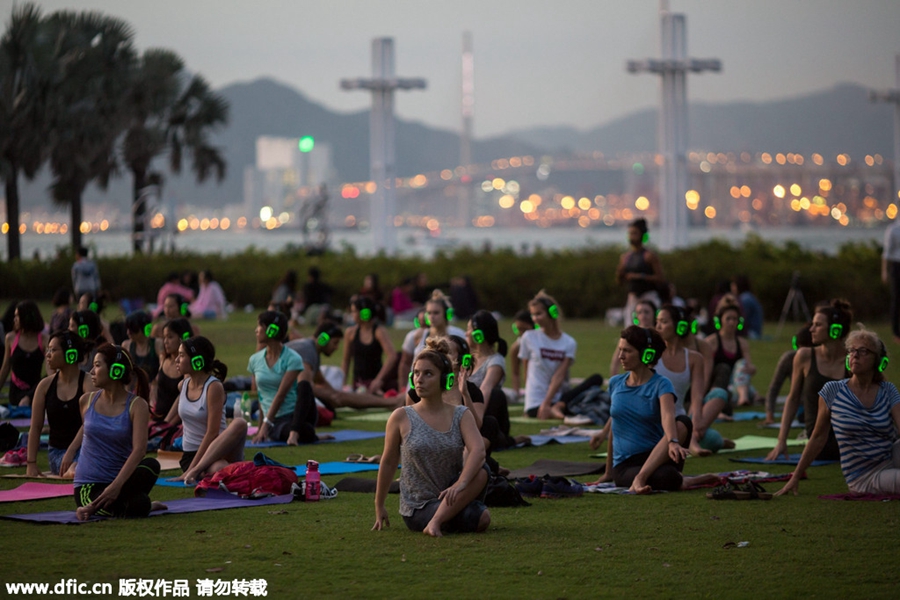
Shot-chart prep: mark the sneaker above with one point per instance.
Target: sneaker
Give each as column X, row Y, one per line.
column 17, row 457
column 531, row 487
column 578, row 420
column 559, row 487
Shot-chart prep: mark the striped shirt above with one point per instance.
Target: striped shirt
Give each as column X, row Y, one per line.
column 865, row 435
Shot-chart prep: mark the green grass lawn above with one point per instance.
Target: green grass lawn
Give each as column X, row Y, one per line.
column 663, row 545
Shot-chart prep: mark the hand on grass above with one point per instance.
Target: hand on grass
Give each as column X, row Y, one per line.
column 779, row 449
column 381, row 519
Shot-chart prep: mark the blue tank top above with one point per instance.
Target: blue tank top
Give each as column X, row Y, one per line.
column 106, row 445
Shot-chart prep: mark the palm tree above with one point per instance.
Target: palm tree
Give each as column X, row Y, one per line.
column 23, row 55
column 170, row 113
column 93, row 59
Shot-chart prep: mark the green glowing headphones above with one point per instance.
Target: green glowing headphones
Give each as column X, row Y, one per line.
column 649, row 353
column 835, row 330
column 323, row 339
column 682, row 325
column 197, row 360
column 148, row 329
column 272, row 331
column 72, row 355
column 447, row 376
column 84, row 331
column 118, row 369
column 718, row 323
column 552, row 309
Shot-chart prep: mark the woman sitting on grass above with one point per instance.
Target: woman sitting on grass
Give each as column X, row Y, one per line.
column 168, row 378
column 284, row 414
column 489, row 367
column 23, row 360
column 57, row 396
column 443, row 480
column 209, row 443
column 112, row 478
column 645, row 451
column 548, row 353
column 732, row 367
column 864, row 411
column 370, row 348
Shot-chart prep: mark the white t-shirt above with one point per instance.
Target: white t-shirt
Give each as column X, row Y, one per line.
column 544, row 356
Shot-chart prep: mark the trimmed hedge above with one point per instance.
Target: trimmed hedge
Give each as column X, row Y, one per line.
column 582, row 280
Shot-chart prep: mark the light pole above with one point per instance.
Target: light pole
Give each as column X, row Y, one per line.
column 893, row 97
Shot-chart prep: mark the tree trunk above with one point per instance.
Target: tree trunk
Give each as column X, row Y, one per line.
column 138, row 210
column 13, row 240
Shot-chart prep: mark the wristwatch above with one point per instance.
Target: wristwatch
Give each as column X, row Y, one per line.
column 674, row 441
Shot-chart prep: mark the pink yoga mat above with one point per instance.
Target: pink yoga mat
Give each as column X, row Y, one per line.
column 37, row 491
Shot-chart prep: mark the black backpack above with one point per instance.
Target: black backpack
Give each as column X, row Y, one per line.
column 9, row 437
column 501, row 492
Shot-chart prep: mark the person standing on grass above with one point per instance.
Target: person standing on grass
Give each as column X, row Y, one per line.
column 864, row 413
column 209, row 443
column 57, row 397
column 112, row 478
column 547, row 353
column 645, row 452
column 813, row 368
column 85, row 274
column 639, row 269
column 444, row 476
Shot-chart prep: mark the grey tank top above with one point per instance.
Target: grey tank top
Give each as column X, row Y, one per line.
column 431, row 460
column 680, row 381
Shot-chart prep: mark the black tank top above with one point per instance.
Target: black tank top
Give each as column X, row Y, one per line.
column 366, row 358
column 722, row 357
column 63, row 416
column 26, row 366
column 148, row 362
column 166, row 394
column 809, row 393
column 636, row 263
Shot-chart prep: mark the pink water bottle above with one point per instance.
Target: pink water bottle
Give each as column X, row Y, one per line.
column 313, row 481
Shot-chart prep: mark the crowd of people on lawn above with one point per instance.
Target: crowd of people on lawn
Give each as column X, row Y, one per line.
column 102, row 396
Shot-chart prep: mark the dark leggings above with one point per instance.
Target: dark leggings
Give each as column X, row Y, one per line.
column 666, row 477
column 498, row 408
column 595, row 380
column 133, row 500
column 303, row 420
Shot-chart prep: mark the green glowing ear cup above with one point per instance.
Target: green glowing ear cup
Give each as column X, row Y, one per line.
column 451, row 379
column 427, row 321
column 478, row 336
column 93, row 307
column 183, row 309
column 717, row 322
column 847, row 362
column 794, row 343
column 553, row 311
column 681, row 328
column 71, row 356
column 83, row 331
column 449, row 314
column 648, row 356
column 116, row 371
column 634, row 319
column 197, row 363
column 411, row 384
column 515, row 329
column 694, row 326
column 740, row 323
column 272, row 331
column 416, row 323
column 466, row 361
column 645, row 238
column 882, row 364
column 323, row 339
column 365, row 314
column 148, row 328
column 186, row 335
column 835, row 330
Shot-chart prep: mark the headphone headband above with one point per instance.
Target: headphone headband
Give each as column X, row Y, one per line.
column 649, row 353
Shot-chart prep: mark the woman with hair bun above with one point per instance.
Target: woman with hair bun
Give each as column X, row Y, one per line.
column 813, row 368
column 57, row 396
column 547, row 352
column 112, row 478
column 209, row 443
column 645, row 452
column 732, row 367
column 444, row 476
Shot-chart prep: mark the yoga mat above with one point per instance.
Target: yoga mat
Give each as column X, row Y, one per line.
column 21, row 422
column 792, row 459
column 370, row 417
column 558, row 468
column 523, row 420
column 743, row 443
column 869, row 497
column 328, row 468
column 37, row 491
column 44, row 475
column 364, row 486
column 795, row 424
column 750, row 415
column 169, row 460
column 214, row 500
column 540, row 440
column 341, row 435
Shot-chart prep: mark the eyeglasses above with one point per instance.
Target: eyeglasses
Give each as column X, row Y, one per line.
column 860, row 352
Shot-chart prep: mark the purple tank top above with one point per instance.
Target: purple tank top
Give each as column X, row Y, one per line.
column 105, row 446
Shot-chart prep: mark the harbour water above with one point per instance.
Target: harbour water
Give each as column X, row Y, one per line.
column 421, row 243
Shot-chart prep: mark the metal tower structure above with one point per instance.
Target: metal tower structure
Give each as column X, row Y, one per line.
column 468, row 113
column 673, row 123
column 893, row 97
column 382, row 143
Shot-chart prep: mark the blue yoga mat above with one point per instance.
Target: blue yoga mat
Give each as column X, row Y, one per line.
column 329, row 468
column 540, row 440
column 792, row 459
column 341, row 435
column 213, row 500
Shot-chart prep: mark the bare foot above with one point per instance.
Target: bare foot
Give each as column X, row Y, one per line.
column 83, row 513
column 434, row 530
column 696, row 450
column 557, row 413
column 728, row 444
column 640, row 488
column 293, row 439
column 158, row 506
column 689, row 482
column 724, row 417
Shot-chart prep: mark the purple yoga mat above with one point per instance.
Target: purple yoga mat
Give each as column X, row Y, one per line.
column 36, row 491
column 214, row 500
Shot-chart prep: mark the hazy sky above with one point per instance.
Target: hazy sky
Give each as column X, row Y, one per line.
column 536, row 62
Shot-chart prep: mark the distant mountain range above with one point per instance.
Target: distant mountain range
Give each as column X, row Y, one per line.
column 841, row 119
